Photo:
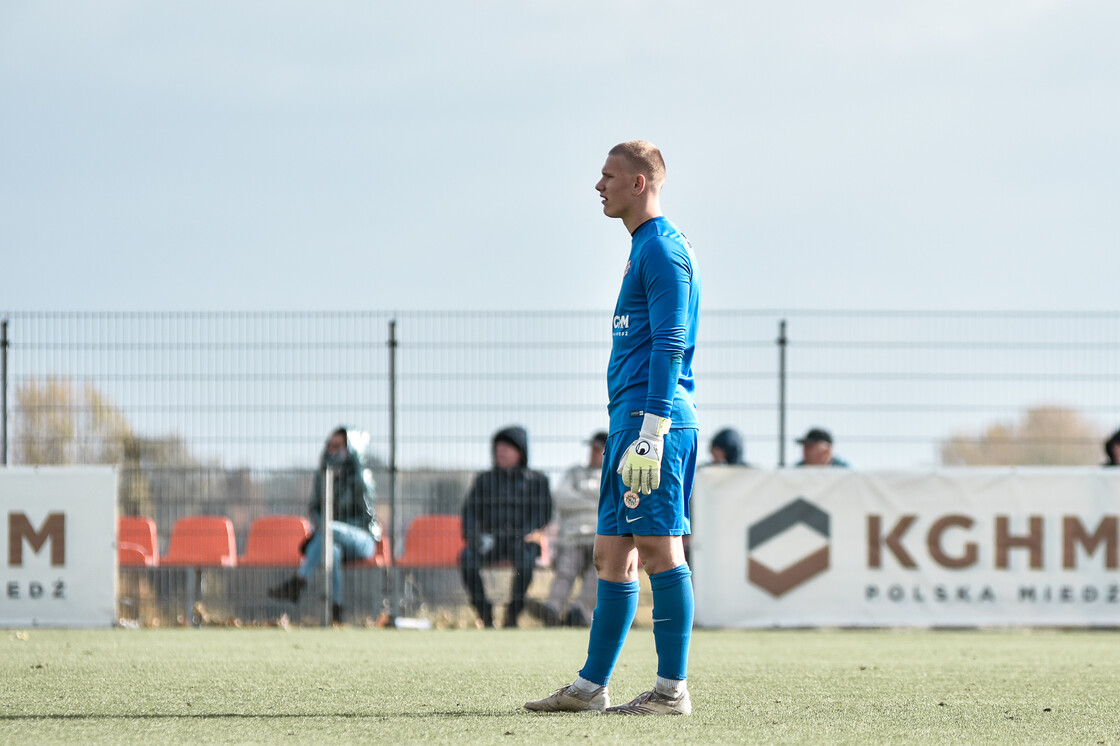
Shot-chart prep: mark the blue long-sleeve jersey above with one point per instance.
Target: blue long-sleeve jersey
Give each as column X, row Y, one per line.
column 655, row 322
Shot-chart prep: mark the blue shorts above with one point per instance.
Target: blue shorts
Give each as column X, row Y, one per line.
column 663, row 512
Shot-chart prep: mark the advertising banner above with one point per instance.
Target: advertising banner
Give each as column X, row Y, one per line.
column 60, row 530
column 954, row 547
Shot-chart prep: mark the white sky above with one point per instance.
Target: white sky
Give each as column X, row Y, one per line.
column 205, row 155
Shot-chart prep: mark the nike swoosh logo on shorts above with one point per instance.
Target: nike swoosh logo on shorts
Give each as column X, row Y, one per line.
column 631, row 520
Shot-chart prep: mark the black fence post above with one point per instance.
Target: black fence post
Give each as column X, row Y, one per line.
column 783, row 341
column 4, row 392
column 396, row 543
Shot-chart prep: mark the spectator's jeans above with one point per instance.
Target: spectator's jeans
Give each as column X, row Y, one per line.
column 523, row 556
column 350, row 543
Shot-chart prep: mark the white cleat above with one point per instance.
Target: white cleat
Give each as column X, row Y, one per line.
column 570, row 699
column 654, row 702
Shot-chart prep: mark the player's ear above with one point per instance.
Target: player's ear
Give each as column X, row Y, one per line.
column 639, row 183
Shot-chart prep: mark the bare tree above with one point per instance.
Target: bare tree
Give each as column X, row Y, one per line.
column 59, row 423
column 1045, row 436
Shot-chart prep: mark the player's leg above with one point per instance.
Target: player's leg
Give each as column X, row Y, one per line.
column 616, row 560
column 614, row 613
column 666, row 510
column 616, row 605
column 617, row 602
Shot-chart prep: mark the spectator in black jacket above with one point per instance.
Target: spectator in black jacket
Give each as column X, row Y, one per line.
column 503, row 514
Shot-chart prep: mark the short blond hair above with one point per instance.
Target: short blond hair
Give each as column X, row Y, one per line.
column 644, row 158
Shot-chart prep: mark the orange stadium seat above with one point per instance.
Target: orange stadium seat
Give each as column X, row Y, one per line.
column 433, row 541
column 136, row 541
column 274, row 541
column 201, row 541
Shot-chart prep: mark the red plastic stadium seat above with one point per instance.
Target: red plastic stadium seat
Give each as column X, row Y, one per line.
column 136, row 541
column 202, row 541
column 274, row 541
column 433, row 541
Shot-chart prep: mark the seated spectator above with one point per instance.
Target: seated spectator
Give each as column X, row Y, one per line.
column 355, row 530
column 503, row 514
column 727, row 448
column 816, row 449
column 577, row 508
column 1112, row 449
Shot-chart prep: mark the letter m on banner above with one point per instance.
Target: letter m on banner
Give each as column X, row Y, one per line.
column 21, row 530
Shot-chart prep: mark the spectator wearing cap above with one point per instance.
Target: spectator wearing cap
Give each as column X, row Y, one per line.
column 727, row 448
column 816, row 449
column 577, row 508
column 1112, row 450
column 503, row 514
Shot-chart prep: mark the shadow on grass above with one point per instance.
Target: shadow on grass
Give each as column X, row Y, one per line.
column 256, row 716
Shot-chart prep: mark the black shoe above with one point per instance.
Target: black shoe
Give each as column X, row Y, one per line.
column 336, row 614
column 542, row 612
column 486, row 615
column 575, row 618
column 289, row 590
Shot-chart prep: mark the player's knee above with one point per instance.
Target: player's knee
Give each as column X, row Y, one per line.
column 661, row 554
column 615, row 569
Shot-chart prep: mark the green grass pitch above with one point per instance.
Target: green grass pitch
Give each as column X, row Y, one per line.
column 357, row 685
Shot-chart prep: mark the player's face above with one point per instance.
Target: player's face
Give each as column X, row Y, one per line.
column 719, row 456
column 616, row 187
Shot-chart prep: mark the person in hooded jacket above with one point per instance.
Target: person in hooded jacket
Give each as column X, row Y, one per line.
column 727, row 448
column 503, row 513
column 354, row 526
column 1112, row 450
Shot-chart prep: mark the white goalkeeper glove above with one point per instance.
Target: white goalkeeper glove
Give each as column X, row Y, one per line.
column 640, row 465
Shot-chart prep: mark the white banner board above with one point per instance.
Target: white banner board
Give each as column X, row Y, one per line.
column 955, row 547
column 60, row 534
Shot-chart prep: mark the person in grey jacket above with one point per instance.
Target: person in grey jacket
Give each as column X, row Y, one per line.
column 577, row 508
column 354, row 527
column 503, row 514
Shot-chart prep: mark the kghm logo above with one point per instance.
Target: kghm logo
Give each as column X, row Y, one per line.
column 782, row 533
column 622, row 322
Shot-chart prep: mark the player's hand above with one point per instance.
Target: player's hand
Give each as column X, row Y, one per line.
column 640, row 466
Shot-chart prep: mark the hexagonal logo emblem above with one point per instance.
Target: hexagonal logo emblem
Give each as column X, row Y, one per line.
column 788, row 547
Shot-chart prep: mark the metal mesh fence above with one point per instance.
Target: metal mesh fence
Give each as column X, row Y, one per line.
column 227, row 413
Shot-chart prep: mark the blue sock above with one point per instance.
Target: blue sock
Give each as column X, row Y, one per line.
column 615, row 607
column 672, row 620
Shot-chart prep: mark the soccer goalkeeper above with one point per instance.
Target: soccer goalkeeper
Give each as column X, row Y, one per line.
column 650, row 458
